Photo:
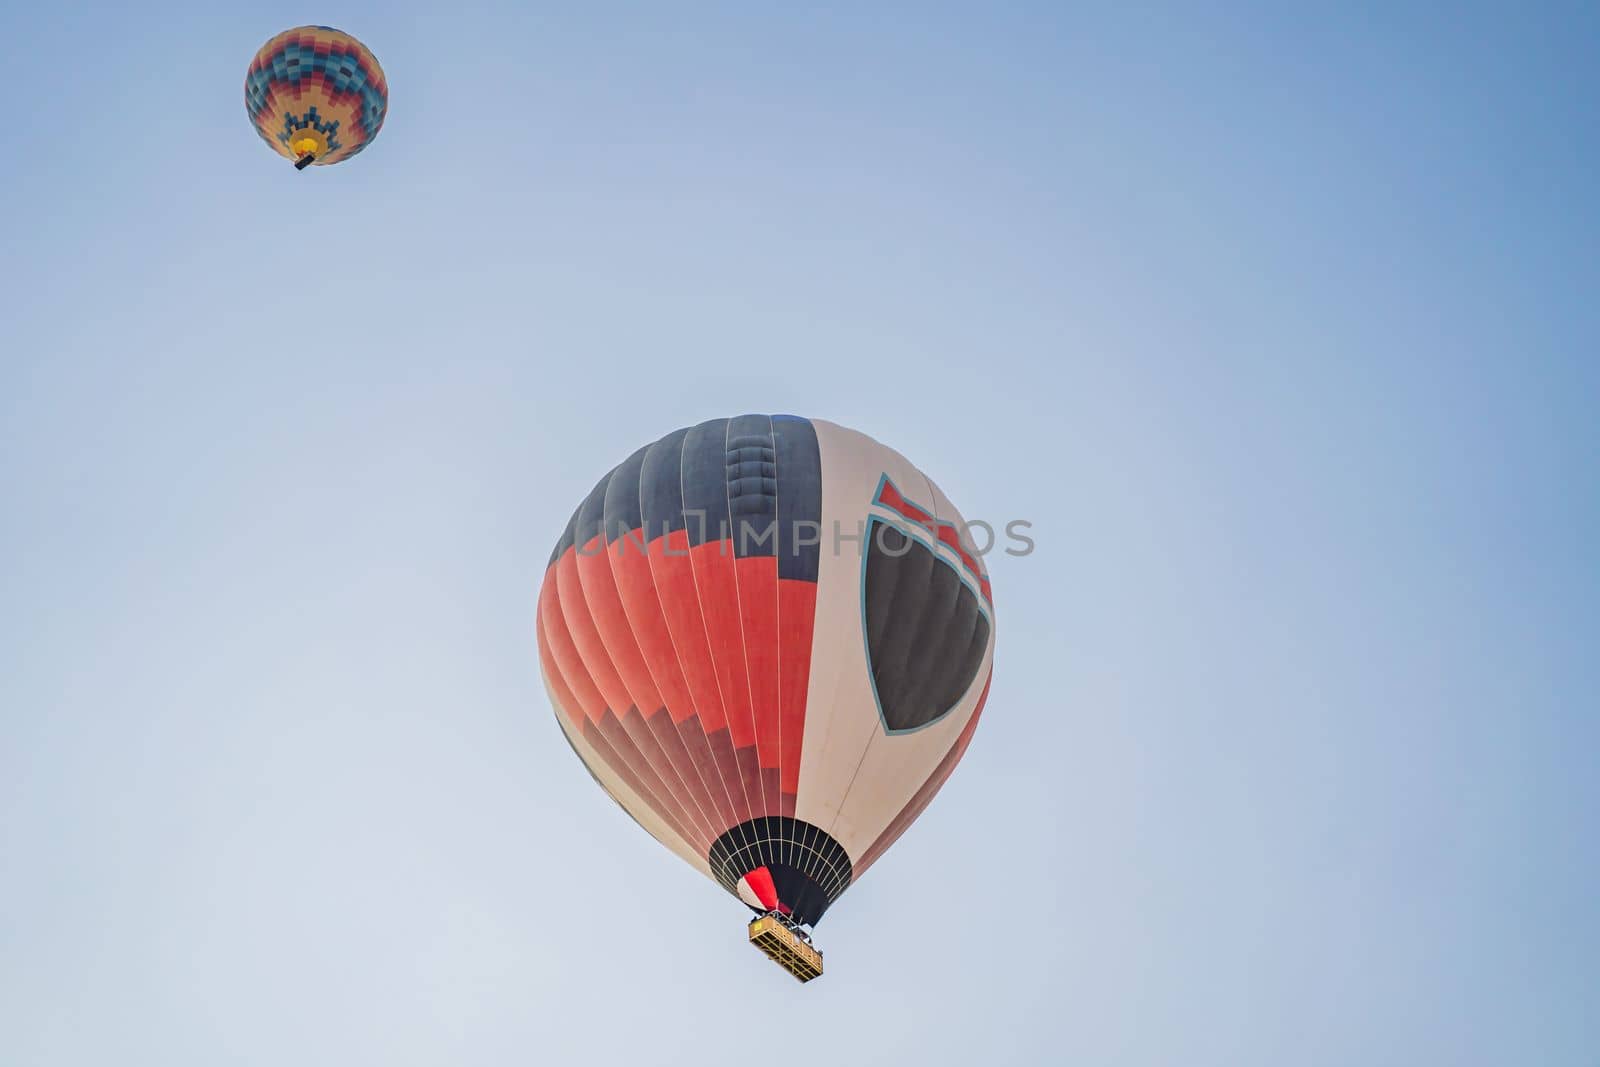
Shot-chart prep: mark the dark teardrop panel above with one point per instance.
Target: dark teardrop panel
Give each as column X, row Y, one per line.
column 926, row 630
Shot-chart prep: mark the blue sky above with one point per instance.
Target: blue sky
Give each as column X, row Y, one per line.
column 1281, row 330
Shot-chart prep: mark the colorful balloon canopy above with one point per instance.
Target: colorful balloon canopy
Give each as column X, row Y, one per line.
column 769, row 641
column 316, row 95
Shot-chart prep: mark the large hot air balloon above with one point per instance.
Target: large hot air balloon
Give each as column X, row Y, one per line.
column 769, row 640
column 316, row 95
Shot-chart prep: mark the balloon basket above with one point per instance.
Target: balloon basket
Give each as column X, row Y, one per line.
column 786, row 945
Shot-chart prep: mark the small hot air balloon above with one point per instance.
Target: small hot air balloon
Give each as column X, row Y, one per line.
column 316, row 95
column 769, row 640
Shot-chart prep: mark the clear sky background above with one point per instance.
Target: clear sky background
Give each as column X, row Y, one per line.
column 1283, row 331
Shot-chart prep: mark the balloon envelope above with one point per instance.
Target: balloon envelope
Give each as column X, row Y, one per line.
column 316, row 91
column 769, row 641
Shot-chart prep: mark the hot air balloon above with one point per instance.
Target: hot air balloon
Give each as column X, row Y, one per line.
column 316, row 95
column 769, row 639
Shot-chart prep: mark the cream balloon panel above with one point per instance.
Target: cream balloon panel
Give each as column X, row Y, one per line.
column 855, row 776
